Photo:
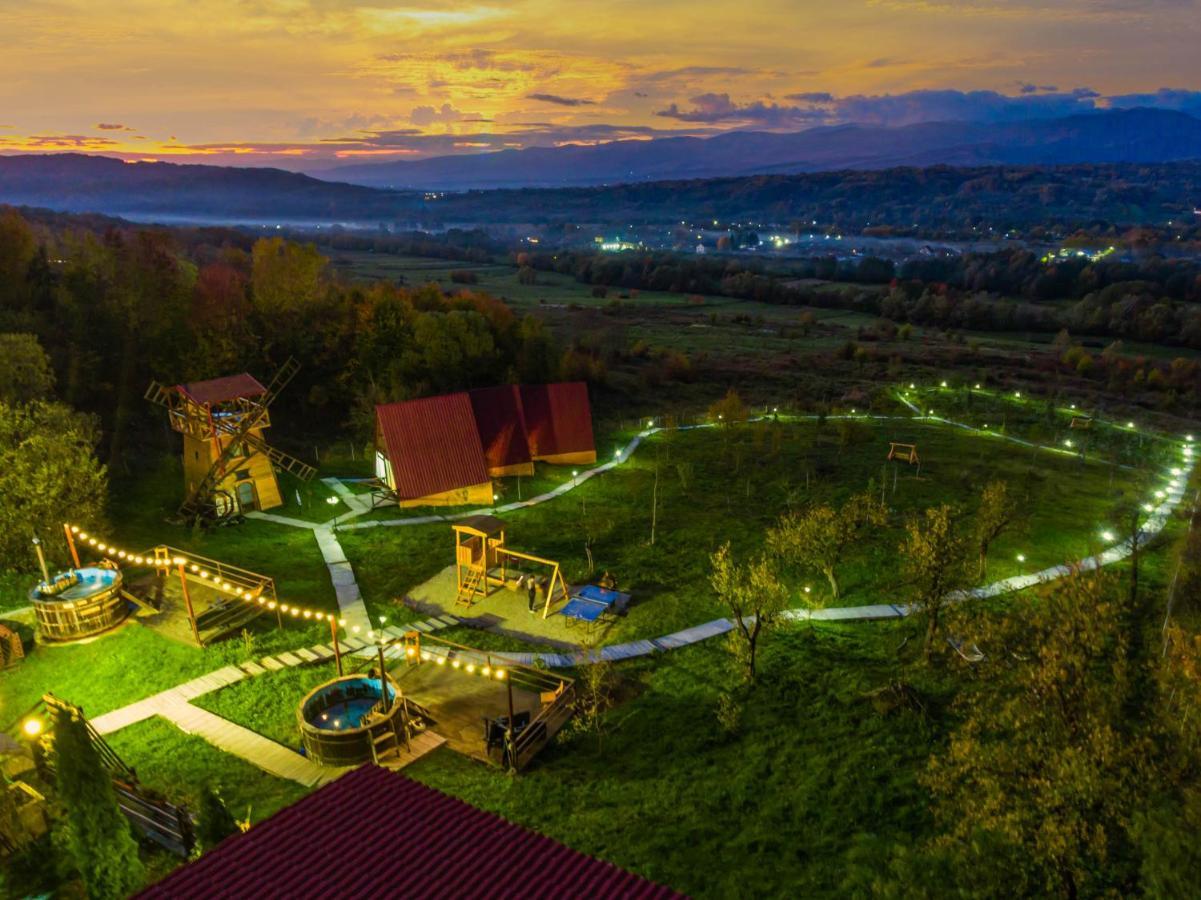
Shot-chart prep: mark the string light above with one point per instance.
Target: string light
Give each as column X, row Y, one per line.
column 214, row 579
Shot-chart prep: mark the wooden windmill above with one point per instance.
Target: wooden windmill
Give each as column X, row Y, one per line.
column 228, row 466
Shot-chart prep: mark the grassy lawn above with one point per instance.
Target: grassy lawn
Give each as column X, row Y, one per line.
column 129, row 664
column 180, row 766
column 806, row 797
column 715, row 486
column 267, row 703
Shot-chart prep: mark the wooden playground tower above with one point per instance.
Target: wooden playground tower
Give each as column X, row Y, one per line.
column 228, row 465
column 483, row 562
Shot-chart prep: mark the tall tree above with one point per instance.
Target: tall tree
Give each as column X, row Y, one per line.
column 48, row 475
column 934, row 562
column 1036, row 782
column 102, row 846
column 754, row 596
column 25, row 372
column 819, row 537
column 996, row 514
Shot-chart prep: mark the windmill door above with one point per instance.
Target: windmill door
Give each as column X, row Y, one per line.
column 247, row 498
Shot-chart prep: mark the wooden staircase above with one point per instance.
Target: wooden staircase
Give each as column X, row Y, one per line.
column 471, row 585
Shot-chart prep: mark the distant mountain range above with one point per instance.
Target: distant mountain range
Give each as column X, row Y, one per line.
column 1135, row 135
column 74, row 182
column 901, row 175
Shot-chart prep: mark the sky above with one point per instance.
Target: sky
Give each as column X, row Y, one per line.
column 310, row 84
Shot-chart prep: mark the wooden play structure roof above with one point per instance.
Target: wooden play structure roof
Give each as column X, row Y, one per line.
column 224, row 389
column 456, row 440
column 376, row 833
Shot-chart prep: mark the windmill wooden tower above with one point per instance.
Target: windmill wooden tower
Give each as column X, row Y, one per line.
column 229, row 468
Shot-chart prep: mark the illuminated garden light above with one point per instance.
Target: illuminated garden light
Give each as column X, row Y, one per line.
column 1017, row 395
column 912, row 385
column 944, row 384
column 1107, row 535
column 1021, row 557
column 977, row 387
column 331, row 500
column 32, row 726
column 1129, row 424
column 441, row 660
column 1067, row 443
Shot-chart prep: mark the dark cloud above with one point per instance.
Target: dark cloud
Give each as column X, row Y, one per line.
column 714, row 108
column 687, row 72
column 1037, row 88
column 112, row 126
column 561, row 101
column 431, row 115
column 1179, row 99
column 811, row 97
column 948, row 105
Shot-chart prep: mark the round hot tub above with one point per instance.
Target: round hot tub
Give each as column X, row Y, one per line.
column 343, row 722
column 79, row 603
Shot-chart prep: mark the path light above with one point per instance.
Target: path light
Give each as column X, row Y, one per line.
column 1067, row 443
column 32, row 726
column 1017, row 395
column 944, row 384
column 775, row 409
column 1107, row 535
column 977, row 387
column 1187, row 437
column 853, row 411
column 1021, row 557
column 331, row 500
column 495, row 497
column 1129, row 424
column 808, row 590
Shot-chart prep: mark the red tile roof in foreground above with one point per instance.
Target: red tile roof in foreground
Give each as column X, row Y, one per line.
column 558, row 418
column 376, row 833
column 433, row 445
column 222, row 390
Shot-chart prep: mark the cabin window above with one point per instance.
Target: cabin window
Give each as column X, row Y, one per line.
column 242, row 475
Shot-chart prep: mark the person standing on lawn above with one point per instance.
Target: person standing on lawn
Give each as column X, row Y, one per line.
column 532, row 589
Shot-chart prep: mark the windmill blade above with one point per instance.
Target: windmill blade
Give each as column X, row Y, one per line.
column 281, row 460
column 281, row 380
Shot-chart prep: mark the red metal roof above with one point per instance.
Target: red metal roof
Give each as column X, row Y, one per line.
column 376, row 833
column 501, row 425
column 222, row 390
column 433, row 445
column 558, row 418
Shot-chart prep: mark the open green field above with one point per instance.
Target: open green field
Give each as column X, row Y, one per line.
column 715, row 485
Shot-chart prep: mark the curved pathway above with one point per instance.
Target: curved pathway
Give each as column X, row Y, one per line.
column 353, row 608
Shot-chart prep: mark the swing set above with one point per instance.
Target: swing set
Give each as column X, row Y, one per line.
column 904, row 452
column 483, row 562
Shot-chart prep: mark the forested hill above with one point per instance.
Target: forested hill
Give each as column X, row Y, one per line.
column 73, row 182
column 942, row 200
column 935, row 198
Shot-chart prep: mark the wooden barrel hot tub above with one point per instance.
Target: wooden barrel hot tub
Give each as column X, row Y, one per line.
column 342, row 722
column 79, row 603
